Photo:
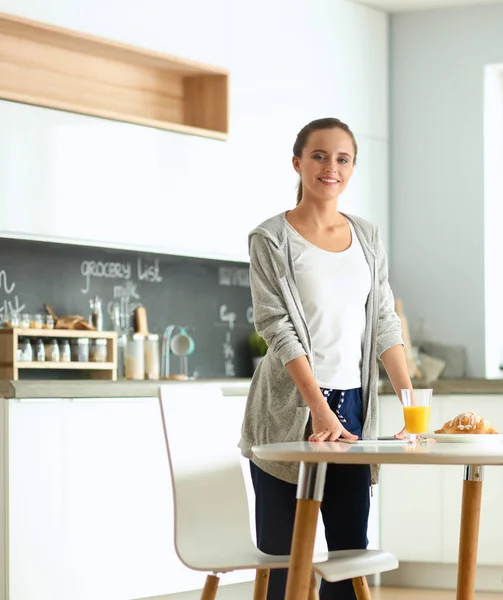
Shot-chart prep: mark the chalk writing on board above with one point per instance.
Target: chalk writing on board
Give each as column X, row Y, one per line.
column 230, row 370
column 11, row 304
column 234, row 277
column 229, row 318
column 100, row 269
column 117, row 270
column 148, row 272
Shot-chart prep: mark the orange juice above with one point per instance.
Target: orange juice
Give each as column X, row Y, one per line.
column 417, row 418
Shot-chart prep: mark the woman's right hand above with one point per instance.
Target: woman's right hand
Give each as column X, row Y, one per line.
column 327, row 427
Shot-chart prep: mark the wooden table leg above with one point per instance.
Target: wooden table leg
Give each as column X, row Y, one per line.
column 309, row 496
column 469, row 533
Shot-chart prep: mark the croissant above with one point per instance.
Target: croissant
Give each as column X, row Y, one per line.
column 468, row 422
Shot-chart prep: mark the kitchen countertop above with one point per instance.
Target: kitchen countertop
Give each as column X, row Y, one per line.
column 452, row 386
column 106, row 389
column 230, row 387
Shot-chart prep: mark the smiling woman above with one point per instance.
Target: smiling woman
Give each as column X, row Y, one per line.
column 322, row 302
column 324, row 131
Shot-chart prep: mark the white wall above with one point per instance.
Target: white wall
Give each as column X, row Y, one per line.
column 141, row 188
column 437, row 166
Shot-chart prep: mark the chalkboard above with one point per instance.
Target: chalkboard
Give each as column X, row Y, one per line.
column 212, row 298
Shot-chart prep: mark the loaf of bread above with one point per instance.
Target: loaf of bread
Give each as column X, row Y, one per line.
column 468, row 422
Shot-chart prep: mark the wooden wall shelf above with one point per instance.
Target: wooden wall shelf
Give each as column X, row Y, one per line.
column 10, row 366
column 57, row 68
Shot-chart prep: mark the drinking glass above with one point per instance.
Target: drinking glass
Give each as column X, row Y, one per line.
column 416, row 412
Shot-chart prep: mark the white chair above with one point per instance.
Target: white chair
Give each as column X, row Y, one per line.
column 212, row 520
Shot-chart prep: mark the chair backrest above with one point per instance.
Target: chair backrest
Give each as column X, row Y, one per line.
column 201, row 430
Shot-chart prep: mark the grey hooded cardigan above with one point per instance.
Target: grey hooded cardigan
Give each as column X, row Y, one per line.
column 275, row 410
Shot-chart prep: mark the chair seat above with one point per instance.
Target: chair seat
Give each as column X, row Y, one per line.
column 332, row 566
column 346, row 564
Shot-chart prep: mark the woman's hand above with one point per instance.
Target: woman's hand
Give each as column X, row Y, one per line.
column 401, row 434
column 327, row 427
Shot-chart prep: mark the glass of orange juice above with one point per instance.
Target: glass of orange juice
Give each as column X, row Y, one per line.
column 416, row 411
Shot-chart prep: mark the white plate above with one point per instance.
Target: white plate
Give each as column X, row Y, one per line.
column 466, row 438
column 372, row 442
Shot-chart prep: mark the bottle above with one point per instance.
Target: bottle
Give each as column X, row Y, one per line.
column 135, row 359
column 96, row 313
column 152, row 362
column 39, row 351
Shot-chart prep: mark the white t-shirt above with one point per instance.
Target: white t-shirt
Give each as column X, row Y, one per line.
column 333, row 288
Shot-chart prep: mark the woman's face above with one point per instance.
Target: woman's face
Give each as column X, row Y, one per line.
column 326, row 164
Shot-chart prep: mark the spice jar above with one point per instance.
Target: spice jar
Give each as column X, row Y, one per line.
column 11, row 320
column 39, row 354
column 24, row 321
column 135, row 361
column 36, row 321
column 152, row 364
column 25, row 351
column 98, row 352
column 52, row 350
column 80, row 349
column 64, row 351
column 48, row 322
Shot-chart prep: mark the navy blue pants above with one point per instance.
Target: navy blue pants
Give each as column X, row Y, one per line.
column 345, row 506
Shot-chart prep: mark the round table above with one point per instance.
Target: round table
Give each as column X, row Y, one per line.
column 313, row 458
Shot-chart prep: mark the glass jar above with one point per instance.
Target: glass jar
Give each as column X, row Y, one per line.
column 80, row 350
column 98, row 352
column 39, row 354
column 52, row 353
column 11, row 320
column 135, row 361
column 24, row 321
column 48, row 322
column 25, row 350
column 36, row 321
column 152, row 364
column 65, row 354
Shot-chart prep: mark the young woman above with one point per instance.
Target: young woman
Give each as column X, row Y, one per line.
column 322, row 302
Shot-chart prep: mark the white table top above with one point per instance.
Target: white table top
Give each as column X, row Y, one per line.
column 431, row 453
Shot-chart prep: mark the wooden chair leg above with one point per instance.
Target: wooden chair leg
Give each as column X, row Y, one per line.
column 313, row 589
column 210, row 588
column 261, row 584
column 361, row 588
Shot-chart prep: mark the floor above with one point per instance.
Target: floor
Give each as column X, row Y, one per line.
column 244, row 591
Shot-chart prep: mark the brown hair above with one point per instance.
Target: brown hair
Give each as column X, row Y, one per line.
column 303, row 136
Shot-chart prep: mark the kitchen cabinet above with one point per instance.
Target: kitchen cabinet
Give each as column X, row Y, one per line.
column 90, row 511
column 34, row 460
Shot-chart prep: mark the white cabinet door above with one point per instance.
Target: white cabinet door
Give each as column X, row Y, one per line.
column 119, row 510
column 119, row 515
column 36, row 502
column 491, row 534
column 410, row 498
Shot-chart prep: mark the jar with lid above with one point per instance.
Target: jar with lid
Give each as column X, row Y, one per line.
column 135, row 359
column 24, row 350
column 48, row 322
column 98, row 351
column 36, row 321
column 152, row 363
column 80, row 349
column 39, row 351
column 11, row 320
column 24, row 321
column 52, row 353
column 65, row 354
